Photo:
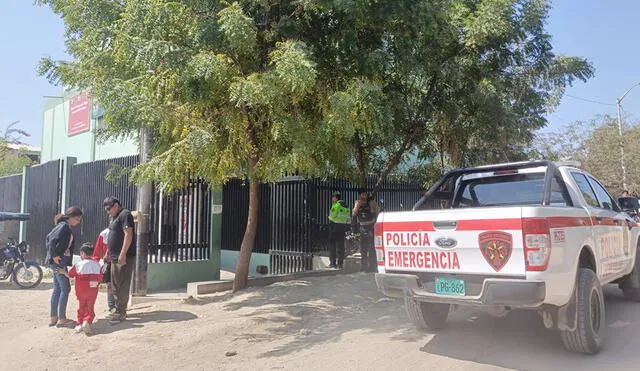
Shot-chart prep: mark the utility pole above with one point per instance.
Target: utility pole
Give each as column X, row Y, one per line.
column 622, row 163
column 145, row 198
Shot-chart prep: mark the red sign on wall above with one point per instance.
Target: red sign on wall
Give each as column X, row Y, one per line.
column 79, row 114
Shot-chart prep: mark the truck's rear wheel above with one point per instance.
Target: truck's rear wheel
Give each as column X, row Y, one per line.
column 426, row 316
column 590, row 317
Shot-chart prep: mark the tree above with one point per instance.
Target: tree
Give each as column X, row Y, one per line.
column 594, row 145
column 259, row 89
column 12, row 161
column 227, row 89
column 466, row 82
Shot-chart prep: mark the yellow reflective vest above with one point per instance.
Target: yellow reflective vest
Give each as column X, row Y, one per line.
column 339, row 213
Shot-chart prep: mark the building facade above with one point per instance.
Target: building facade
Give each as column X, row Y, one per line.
column 69, row 122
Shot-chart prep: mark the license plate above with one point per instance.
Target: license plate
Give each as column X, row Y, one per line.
column 450, row 286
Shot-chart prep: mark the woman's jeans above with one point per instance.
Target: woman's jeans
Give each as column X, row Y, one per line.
column 60, row 295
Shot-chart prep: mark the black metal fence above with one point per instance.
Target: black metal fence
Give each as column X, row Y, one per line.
column 235, row 210
column 292, row 225
column 294, row 216
column 290, row 247
column 43, row 203
column 10, row 194
column 89, row 188
column 181, row 225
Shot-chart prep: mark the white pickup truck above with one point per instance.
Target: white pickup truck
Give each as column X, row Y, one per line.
column 531, row 235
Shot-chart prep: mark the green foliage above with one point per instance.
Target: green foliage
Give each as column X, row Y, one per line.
column 11, row 164
column 262, row 88
column 13, row 161
column 596, row 145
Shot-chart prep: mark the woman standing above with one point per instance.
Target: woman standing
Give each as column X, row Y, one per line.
column 60, row 255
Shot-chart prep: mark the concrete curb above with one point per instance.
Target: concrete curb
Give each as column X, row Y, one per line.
column 196, row 289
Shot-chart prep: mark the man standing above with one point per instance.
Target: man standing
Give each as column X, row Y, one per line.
column 339, row 220
column 366, row 210
column 122, row 251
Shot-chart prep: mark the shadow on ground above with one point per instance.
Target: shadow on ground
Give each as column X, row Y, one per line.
column 306, row 313
column 315, row 311
column 520, row 341
column 137, row 320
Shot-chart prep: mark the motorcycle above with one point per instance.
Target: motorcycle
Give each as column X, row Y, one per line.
column 26, row 274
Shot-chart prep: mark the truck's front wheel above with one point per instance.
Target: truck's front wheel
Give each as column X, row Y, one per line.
column 426, row 316
column 590, row 318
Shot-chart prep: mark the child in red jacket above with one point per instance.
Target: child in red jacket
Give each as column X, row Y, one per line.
column 88, row 276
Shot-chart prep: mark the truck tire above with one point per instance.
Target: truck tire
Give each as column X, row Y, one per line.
column 426, row 316
column 630, row 285
column 590, row 317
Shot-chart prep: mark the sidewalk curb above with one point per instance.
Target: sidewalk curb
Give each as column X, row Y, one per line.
column 196, row 289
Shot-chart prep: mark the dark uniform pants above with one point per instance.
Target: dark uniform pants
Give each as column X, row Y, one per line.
column 337, row 234
column 368, row 260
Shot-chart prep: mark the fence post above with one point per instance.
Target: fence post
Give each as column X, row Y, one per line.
column 24, row 199
column 215, row 238
column 67, row 165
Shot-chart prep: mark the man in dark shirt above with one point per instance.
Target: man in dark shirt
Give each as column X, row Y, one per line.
column 122, row 251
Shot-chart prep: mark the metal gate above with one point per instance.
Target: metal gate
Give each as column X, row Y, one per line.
column 89, row 188
column 181, row 224
column 43, row 203
column 290, row 249
column 10, row 193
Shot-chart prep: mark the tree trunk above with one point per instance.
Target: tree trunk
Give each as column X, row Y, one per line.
column 361, row 161
column 395, row 159
column 249, row 239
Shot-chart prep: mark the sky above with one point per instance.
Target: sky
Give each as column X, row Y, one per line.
column 602, row 31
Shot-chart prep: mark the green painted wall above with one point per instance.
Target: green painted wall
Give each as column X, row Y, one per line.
column 172, row 276
column 230, row 258
column 85, row 147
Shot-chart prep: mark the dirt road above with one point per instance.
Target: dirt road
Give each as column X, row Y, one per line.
column 326, row 323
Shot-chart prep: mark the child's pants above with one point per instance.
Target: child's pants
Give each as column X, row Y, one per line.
column 86, row 303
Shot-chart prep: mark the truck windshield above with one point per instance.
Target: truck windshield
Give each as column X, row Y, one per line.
column 512, row 189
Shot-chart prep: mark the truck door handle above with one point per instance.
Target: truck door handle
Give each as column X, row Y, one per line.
column 445, row 224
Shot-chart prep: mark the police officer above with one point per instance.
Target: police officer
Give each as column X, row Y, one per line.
column 366, row 210
column 339, row 220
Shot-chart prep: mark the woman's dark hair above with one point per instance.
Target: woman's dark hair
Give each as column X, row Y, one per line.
column 71, row 212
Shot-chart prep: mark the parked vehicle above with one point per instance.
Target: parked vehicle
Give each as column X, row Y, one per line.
column 13, row 263
column 532, row 235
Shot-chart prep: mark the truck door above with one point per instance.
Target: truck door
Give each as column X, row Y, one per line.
column 616, row 252
column 607, row 225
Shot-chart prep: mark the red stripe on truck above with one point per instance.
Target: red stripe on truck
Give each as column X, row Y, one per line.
column 495, row 224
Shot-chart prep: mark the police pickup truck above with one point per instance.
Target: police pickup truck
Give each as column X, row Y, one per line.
column 531, row 235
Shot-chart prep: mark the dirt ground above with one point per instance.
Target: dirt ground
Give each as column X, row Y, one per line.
column 323, row 323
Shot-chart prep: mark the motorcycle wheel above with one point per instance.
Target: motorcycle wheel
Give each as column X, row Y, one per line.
column 27, row 275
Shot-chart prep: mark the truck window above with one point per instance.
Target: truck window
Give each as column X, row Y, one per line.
column 513, row 189
column 606, row 201
column 585, row 188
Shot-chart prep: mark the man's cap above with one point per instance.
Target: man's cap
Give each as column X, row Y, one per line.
column 335, row 193
column 110, row 201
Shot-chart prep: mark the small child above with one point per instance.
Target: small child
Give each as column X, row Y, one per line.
column 88, row 277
